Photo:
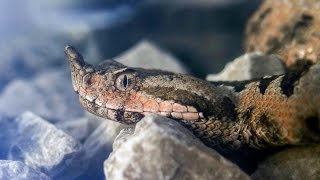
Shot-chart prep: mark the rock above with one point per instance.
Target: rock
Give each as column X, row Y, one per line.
column 146, row 54
column 290, row 29
column 292, row 163
column 162, row 149
column 50, row 95
column 98, row 146
column 249, row 66
column 41, row 146
column 16, row 170
column 123, row 136
column 77, row 128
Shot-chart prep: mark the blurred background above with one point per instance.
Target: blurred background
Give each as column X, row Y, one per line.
column 197, row 36
column 202, row 34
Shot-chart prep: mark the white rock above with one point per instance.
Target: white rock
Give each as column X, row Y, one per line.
column 161, row 148
column 16, row 170
column 42, row 146
column 98, row 146
column 146, row 54
column 77, row 128
column 50, row 95
column 249, row 66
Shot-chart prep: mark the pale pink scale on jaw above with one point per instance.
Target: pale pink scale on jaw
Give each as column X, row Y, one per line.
column 191, row 109
column 179, row 108
column 190, row 116
column 151, row 106
column 165, row 106
column 176, row 115
column 141, row 98
column 166, row 114
column 115, row 103
column 134, row 106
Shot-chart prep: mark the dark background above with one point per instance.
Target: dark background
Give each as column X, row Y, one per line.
column 203, row 34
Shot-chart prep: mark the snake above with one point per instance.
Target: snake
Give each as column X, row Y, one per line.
column 273, row 111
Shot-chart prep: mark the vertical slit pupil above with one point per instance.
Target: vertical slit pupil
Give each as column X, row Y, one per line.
column 125, row 81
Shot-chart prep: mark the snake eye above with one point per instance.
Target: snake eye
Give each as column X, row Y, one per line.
column 125, row 81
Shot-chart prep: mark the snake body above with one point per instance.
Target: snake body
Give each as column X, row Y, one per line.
column 270, row 112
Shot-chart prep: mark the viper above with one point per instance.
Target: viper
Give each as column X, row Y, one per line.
column 271, row 112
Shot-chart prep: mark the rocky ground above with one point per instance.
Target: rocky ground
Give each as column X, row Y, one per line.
column 287, row 28
column 45, row 134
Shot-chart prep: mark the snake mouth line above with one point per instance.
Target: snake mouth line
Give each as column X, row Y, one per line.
column 118, row 115
column 122, row 115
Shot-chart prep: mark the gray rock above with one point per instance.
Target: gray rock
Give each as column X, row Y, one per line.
column 249, row 66
column 77, row 128
column 161, row 148
column 98, row 146
column 42, row 146
column 293, row 163
column 146, row 54
column 123, row 136
column 49, row 95
column 15, row 170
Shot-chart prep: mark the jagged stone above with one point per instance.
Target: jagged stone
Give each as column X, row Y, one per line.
column 49, row 95
column 148, row 55
column 249, row 66
column 293, row 163
column 160, row 148
column 290, row 29
column 40, row 145
column 16, row 170
column 98, row 147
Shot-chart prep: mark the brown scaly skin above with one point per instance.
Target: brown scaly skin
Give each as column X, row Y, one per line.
column 275, row 111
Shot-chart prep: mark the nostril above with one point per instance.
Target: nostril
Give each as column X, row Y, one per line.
column 86, row 81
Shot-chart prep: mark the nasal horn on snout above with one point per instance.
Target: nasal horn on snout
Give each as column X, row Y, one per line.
column 79, row 68
column 74, row 57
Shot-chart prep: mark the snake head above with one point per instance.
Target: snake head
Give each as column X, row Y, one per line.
column 114, row 91
column 105, row 90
